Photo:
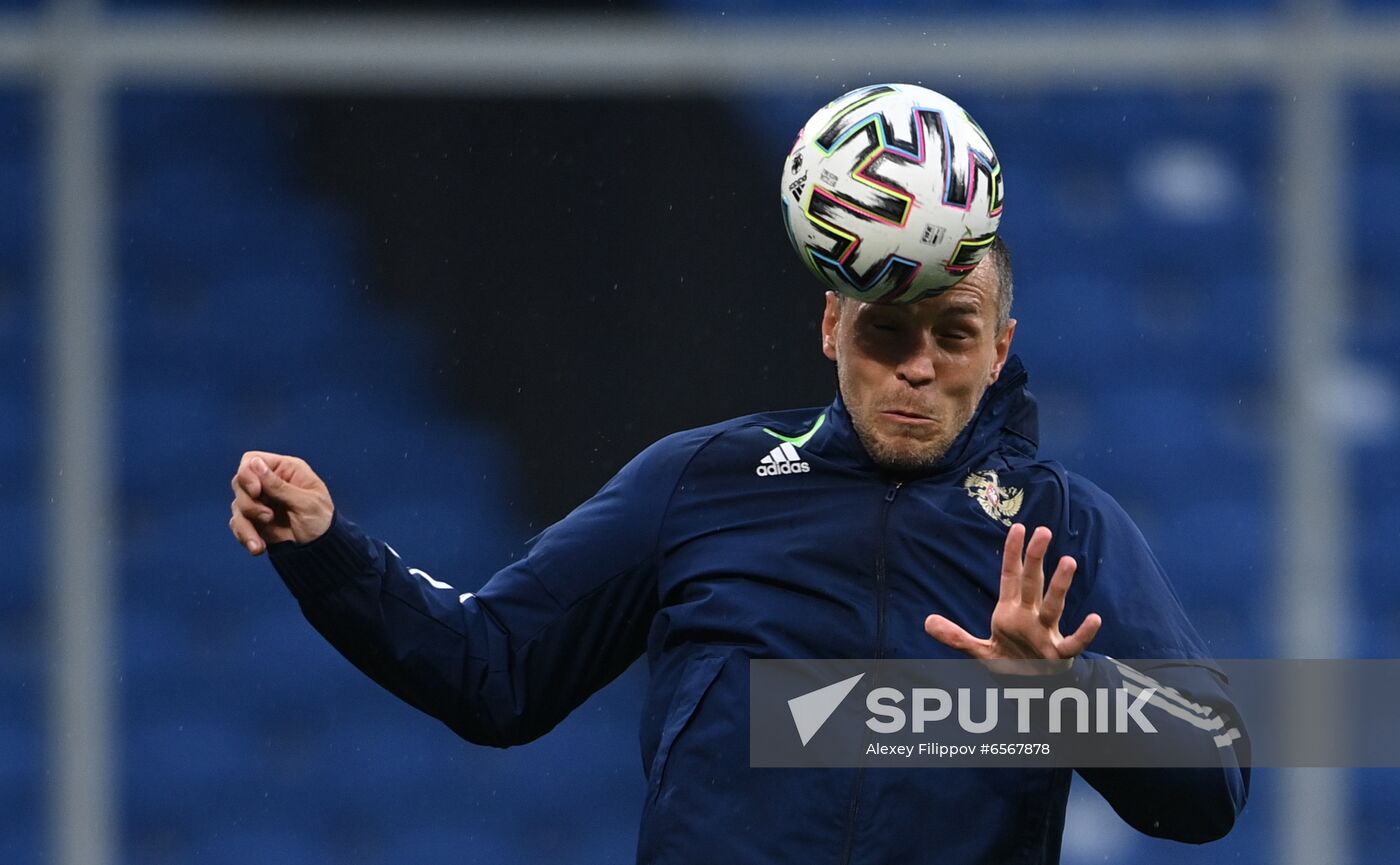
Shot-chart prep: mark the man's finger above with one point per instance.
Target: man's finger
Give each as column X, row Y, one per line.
column 250, row 478
column 246, row 534
column 1077, row 642
column 246, row 480
column 1054, row 605
column 274, row 487
column 1011, row 563
column 953, row 635
column 1033, row 571
column 252, row 510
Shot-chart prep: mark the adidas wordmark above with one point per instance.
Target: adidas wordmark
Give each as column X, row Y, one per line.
column 782, row 460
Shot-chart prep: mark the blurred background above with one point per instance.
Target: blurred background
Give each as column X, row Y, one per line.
column 468, row 258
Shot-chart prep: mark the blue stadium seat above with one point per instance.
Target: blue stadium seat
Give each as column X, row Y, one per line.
column 1218, row 553
column 175, row 761
column 187, row 563
column 19, row 438
column 19, row 230
column 158, row 128
column 20, row 360
column 426, row 845
column 1172, row 441
column 1218, row 549
column 155, row 647
column 174, row 444
column 1072, row 326
column 374, row 452
column 22, row 744
column 272, row 844
column 19, row 117
column 22, row 537
column 461, row 540
column 1375, row 833
column 1376, row 594
column 180, row 441
column 21, row 317
column 1376, row 181
column 22, row 835
column 318, row 367
column 1375, row 259
column 251, row 314
column 189, row 228
column 23, row 672
column 245, row 666
column 1156, row 332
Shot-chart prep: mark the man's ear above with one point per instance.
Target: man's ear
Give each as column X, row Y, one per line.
column 830, row 317
column 1003, row 349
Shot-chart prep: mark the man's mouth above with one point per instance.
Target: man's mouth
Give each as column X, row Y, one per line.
column 906, row 416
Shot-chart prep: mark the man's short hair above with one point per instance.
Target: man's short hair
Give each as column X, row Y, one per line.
column 1000, row 255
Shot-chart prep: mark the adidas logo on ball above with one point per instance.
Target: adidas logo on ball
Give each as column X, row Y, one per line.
column 782, row 460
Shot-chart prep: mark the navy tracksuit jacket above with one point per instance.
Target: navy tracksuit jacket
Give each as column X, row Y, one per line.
column 775, row 536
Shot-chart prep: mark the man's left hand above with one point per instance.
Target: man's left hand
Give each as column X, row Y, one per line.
column 1026, row 620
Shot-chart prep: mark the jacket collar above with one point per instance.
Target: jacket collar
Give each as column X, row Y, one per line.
column 1007, row 417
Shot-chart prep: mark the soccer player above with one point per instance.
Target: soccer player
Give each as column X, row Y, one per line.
column 890, row 524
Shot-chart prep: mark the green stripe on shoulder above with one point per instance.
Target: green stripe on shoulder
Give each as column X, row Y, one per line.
column 799, row 441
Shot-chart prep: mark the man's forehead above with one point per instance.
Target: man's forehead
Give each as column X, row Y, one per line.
column 979, row 287
column 961, row 299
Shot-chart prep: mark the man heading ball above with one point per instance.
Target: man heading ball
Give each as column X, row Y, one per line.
column 906, row 537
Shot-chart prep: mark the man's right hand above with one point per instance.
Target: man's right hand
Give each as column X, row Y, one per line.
column 278, row 498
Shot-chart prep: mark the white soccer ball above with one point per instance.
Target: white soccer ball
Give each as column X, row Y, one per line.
column 892, row 193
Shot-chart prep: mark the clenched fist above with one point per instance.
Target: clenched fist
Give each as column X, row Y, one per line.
column 278, row 498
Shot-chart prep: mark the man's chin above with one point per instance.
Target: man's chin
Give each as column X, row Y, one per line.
column 906, row 453
column 900, row 446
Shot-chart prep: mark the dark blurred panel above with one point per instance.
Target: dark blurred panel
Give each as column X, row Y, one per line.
column 597, row 272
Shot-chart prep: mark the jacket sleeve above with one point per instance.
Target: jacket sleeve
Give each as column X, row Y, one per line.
column 505, row 664
column 1196, row 720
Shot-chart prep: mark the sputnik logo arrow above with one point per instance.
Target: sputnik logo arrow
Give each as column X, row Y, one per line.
column 811, row 710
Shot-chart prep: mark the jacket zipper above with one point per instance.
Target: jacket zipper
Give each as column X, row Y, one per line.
column 880, row 572
column 854, row 814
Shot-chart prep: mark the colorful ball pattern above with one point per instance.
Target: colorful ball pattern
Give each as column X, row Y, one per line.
column 892, row 193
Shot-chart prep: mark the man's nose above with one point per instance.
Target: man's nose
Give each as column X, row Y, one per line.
column 916, row 367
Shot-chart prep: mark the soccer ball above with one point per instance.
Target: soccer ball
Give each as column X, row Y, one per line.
column 892, row 193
